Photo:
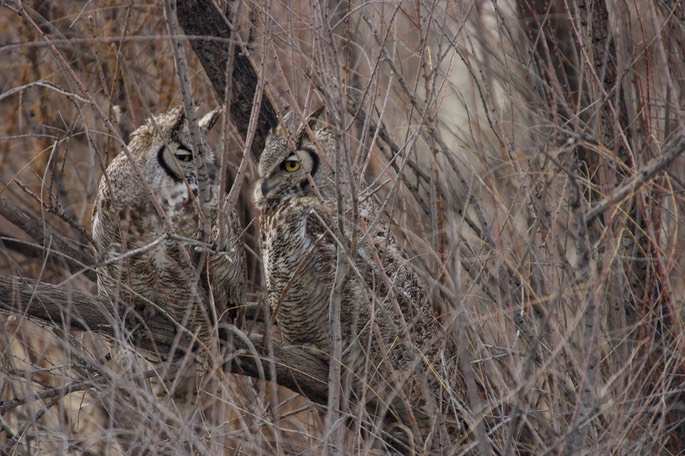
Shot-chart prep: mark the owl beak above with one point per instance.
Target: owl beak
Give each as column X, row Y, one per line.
column 265, row 188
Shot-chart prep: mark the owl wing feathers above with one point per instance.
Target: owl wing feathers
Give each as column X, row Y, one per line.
column 138, row 265
column 386, row 317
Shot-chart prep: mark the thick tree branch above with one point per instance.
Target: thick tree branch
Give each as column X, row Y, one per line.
column 202, row 18
column 73, row 310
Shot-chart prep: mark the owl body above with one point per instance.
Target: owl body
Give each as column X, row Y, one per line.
column 387, row 322
column 144, row 267
column 299, row 323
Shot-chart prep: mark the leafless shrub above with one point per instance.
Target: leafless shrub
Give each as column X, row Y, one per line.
column 527, row 154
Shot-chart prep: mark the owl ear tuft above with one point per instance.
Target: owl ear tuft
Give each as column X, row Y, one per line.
column 314, row 117
column 210, row 119
column 179, row 121
column 281, row 130
column 312, row 120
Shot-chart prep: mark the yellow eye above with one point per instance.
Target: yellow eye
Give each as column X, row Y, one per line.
column 184, row 157
column 291, row 165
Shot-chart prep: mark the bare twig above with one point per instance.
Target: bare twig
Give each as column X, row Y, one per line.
column 58, row 210
column 79, row 260
column 636, row 181
column 183, row 73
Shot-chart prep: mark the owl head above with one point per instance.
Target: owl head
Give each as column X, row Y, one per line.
column 164, row 142
column 294, row 166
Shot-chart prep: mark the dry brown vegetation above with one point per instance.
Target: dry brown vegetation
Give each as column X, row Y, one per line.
column 530, row 158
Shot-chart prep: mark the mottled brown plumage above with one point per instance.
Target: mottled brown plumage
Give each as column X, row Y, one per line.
column 390, row 336
column 144, row 267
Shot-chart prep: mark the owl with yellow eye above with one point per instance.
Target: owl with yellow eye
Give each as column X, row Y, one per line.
column 387, row 322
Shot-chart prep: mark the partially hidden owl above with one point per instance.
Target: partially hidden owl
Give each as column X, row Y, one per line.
column 390, row 336
column 192, row 266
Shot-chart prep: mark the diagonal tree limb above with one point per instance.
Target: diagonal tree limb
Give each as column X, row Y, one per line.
column 203, row 18
column 78, row 260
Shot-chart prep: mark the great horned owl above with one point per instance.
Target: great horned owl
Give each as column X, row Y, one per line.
column 390, row 336
column 142, row 265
